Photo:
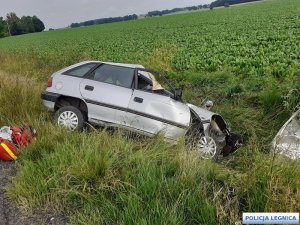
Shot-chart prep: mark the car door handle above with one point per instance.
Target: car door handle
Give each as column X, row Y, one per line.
column 137, row 99
column 89, row 88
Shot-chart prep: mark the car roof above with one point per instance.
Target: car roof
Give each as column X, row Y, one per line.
column 93, row 61
column 115, row 64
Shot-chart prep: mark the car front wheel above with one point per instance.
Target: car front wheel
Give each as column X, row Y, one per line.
column 69, row 117
column 207, row 147
column 204, row 146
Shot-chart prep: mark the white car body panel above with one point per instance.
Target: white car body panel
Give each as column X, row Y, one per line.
column 203, row 114
column 63, row 85
column 103, row 102
column 287, row 140
column 156, row 113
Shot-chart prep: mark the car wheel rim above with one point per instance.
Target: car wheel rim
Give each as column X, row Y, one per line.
column 68, row 119
column 207, row 147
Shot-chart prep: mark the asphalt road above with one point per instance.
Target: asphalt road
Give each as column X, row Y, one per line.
column 9, row 213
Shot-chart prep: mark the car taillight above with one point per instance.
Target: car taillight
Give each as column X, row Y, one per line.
column 49, row 83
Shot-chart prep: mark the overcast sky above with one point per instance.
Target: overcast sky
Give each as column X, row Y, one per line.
column 61, row 13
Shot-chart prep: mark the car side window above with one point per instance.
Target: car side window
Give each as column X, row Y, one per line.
column 80, row 71
column 116, row 75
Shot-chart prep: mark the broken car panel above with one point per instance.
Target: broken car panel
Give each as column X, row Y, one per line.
column 287, row 140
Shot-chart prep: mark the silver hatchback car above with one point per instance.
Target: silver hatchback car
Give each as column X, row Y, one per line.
column 134, row 98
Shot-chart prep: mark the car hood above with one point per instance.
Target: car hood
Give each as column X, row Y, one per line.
column 204, row 114
column 287, row 140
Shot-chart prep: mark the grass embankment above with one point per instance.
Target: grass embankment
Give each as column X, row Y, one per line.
column 102, row 178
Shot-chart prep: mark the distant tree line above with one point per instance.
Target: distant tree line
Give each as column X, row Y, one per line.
column 105, row 20
column 134, row 16
column 216, row 3
column 226, row 3
column 13, row 25
column 168, row 11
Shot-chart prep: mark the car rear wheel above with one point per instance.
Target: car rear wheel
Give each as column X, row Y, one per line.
column 69, row 117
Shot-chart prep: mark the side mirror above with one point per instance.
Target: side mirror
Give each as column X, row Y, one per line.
column 178, row 95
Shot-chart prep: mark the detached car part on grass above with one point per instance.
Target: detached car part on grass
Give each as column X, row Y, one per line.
column 287, row 140
column 132, row 97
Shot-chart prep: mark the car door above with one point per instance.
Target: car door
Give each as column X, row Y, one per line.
column 107, row 93
column 153, row 111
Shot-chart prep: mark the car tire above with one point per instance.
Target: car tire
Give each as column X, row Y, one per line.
column 205, row 146
column 70, row 117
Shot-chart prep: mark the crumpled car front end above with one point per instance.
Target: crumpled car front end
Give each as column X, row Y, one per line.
column 287, row 140
column 210, row 135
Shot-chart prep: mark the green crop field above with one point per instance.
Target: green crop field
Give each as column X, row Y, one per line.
column 261, row 39
column 245, row 58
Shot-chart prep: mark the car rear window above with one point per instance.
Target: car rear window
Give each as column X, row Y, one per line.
column 80, row 71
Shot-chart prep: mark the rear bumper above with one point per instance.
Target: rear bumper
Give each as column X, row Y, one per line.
column 50, row 96
column 49, row 99
column 49, row 105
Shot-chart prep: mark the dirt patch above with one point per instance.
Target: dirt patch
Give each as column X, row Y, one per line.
column 10, row 214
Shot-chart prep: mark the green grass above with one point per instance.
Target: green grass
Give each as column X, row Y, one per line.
column 245, row 58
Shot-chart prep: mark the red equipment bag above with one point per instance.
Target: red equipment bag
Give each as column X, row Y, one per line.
column 8, row 151
column 21, row 137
